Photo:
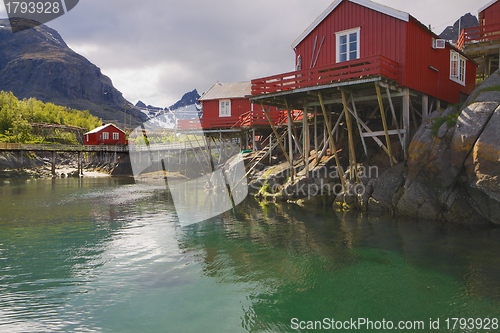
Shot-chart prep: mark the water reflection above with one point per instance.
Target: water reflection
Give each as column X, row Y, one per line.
column 100, row 256
column 315, row 264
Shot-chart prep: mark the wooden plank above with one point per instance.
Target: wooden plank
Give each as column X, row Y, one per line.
column 371, row 134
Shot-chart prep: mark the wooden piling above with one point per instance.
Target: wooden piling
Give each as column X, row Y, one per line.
column 352, row 152
column 332, row 142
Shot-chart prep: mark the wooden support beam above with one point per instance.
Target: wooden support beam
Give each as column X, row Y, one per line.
column 306, row 144
column 372, row 134
column 276, row 135
column 394, row 118
column 359, row 125
column 326, row 138
column 316, row 134
column 290, row 141
column 406, row 120
column 384, row 123
column 425, row 107
column 332, row 143
column 374, row 137
column 352, row 152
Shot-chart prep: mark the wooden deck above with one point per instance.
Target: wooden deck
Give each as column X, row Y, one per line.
column 375, row 66
column 482, row 33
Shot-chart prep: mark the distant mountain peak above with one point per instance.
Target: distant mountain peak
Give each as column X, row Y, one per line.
column 453, row 32
column 188, row 98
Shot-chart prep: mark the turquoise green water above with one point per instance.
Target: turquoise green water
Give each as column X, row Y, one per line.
column 107, row 255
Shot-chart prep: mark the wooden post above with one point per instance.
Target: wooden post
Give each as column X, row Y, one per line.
column 270, row 149
column 53, row 164
column 406, row 120
column 352, row 152
column 425, row 107
column 306, row 143
column 384, row 122
column 277, row 136
column 332, row 143
column 316, row 133
column 290, row 143
column 253, row 139
column 359, row 125
column 394, row 118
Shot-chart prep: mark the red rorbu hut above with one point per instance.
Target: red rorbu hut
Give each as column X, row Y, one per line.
column 108, row 134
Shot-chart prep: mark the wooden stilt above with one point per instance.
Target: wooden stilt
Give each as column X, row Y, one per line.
column 425, row 107
column 384, row 122
column 394, row 118
column 254, row 148
column 53, row 164
column 359, row 125
column 326, row 138
column 290, row 143
column 352, row 152
column 332, row 143
column 270, row 149
column 316, row 134
column 306, row 143
column 287, row 157
column 406, row 120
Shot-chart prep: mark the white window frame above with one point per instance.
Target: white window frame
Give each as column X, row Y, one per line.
column 105, row 135
column 225, row 108
column 458, row 68
column 116, row 136
column 347, row 34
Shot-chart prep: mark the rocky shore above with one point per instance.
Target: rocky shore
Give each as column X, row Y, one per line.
column 452, row 172
column 39, row 165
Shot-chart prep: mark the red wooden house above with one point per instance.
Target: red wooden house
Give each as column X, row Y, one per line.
column 108, row 134
column 358, row 39
column 482, row 43
column 227, row 105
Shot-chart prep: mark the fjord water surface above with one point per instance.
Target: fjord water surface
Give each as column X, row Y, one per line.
column 108, row 255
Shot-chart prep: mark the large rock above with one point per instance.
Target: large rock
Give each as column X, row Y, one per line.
column 452, row 173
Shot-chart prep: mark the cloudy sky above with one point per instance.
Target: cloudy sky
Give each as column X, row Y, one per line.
column 156, row 50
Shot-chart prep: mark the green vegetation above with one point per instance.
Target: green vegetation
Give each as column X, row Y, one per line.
column 490, row 88
column 17, row 117
column 450, row 120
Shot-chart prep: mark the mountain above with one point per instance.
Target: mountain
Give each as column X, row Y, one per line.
column 188, row 98
column 38, row 63
column 452, row 32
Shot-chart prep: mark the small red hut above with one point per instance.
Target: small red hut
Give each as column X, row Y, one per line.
column 108, row 134
column 227, row 105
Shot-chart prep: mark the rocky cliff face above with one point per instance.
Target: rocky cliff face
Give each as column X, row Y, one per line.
column 453, row 168
column 38, row 63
